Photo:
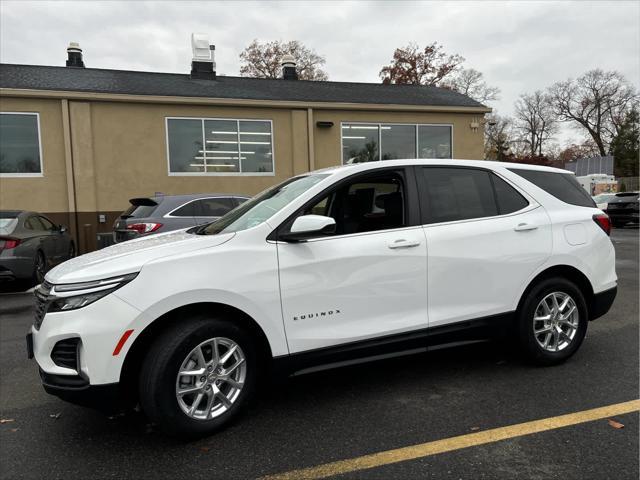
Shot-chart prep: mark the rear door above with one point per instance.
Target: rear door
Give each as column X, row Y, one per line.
column 367, row 280
column 485, row 239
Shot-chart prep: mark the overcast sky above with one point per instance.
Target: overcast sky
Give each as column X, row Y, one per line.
column 519, row 46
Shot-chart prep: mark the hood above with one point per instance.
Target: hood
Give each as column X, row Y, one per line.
column 129, row 257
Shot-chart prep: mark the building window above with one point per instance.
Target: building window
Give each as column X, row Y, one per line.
column 203, row 146
column 369, row 142
column 20, row 152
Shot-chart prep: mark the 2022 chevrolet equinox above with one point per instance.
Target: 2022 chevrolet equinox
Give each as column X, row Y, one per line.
column 338, row 264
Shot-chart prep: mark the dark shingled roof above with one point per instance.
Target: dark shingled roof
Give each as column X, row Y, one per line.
column 36, row 77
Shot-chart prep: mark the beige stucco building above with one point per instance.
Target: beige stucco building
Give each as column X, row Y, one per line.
column 77, row 143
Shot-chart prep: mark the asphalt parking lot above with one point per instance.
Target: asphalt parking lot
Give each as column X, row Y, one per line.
column 343, row 414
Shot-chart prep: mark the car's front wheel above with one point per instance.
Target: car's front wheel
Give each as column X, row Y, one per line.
column 198, row 376
column 552, row 321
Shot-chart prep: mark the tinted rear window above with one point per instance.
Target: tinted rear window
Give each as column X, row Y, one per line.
column 139, row 211
column 458, row 194
column 563, row 186
column 7, row 225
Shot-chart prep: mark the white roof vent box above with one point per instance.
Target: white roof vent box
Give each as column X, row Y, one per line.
column 203, row 65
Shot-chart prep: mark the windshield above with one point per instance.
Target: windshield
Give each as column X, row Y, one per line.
column 261, row 207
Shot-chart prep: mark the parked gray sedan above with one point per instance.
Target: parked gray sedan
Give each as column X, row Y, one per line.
column 163, row 213
column 31, row 244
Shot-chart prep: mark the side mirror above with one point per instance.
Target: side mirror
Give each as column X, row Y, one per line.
column 309, row 226
column 62, row 228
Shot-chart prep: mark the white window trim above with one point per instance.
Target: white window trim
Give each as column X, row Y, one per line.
column 381, row 124
column 28, row 175
column 272, row 173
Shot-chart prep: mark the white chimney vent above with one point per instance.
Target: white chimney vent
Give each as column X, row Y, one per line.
column 203, row 65
column 200, row 47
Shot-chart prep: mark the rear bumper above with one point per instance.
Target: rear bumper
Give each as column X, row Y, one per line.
column 623, row 217
column 602, row 302
column 12, row 268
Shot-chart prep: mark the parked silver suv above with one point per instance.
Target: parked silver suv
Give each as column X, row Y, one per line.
column 163, row 213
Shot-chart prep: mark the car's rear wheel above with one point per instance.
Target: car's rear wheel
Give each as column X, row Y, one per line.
column 198, row 376
column 552, row 321
column 39, row 268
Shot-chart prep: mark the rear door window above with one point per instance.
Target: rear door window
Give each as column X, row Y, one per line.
column 564, row 186
column 34, row 223
column 214, row 207
column 456, row 193
column 187, row 210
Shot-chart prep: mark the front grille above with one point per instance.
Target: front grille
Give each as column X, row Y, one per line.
column 65, row 353
column 43, row 299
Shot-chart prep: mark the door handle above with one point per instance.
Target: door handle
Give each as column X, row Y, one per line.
column 523, row 227
column 403, row 243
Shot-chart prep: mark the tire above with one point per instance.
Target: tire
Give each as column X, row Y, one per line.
column 574, row 328
column 39, row 268
column 172, row 352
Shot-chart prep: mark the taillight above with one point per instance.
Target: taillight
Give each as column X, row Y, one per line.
column 144, row 227
column 603, row 221
column 8, row 243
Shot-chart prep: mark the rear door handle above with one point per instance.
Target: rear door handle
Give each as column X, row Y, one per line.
column 403, row 243
column 523, row 227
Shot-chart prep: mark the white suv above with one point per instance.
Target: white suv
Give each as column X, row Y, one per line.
column 350, row 262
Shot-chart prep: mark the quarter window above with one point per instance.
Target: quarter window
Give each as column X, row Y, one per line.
column 214, row 207
column 508, row 198
column 369, row 142
column 457, row 194
column 187, row 210
column 219, row 146
column 20, row 144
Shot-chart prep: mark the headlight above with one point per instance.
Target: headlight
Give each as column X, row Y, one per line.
column 71, row 296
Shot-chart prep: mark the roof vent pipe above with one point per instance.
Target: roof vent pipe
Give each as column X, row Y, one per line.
column 203, row 65
column 74, row 55
column 289, row 71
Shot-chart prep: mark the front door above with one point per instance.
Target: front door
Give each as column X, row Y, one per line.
column 367, row 280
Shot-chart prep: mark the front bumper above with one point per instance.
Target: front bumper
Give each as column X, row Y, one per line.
column 602, row 302
column 96, row 328
column 76, row 390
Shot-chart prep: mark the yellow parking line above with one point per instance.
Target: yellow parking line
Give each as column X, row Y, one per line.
column 455, row 443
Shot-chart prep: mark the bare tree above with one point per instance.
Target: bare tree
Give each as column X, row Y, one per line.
column 535, row 121
column 415, row 66
column 598, row 101
column 263, row 60
column 498, row 137
column 471, row 82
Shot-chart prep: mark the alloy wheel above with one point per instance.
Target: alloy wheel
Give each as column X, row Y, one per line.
column 211, row 378
column 555, row 321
